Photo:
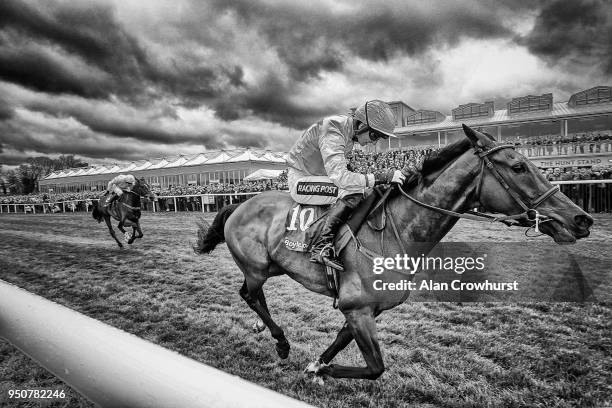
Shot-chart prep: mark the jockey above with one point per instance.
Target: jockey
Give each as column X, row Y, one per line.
column 118, row 185
column 322, row 151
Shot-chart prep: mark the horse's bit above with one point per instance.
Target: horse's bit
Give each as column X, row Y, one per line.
column 529, row 212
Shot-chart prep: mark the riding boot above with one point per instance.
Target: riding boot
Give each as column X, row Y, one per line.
column 323, row 250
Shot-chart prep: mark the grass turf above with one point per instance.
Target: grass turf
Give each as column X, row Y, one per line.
column 436, row 354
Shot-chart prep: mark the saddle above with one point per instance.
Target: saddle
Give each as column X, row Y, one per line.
column 304, row 224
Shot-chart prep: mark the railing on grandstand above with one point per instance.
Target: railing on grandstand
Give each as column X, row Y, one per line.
column 194, row 202
column 594, row 196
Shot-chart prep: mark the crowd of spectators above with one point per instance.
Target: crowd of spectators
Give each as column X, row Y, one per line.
column 222, row 188
column 362, row 162
column 41, row 198
column 555, row 145
column 597, row 172
column 359, row 161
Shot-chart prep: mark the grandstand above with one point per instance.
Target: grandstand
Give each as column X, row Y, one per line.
column 223, row 166
column 576, row 133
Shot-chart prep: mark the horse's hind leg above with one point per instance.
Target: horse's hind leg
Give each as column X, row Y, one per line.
column 137, row 229
column 112, row 231
column 252, row 293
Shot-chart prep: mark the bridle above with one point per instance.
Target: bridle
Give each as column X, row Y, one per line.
column 529, row 208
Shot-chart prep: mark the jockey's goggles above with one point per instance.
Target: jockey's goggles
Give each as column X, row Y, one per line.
column 373, row 134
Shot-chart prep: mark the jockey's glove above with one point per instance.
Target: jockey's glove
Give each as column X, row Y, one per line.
column 389, row 176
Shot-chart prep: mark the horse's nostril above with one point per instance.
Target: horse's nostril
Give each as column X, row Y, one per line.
column 583, row 221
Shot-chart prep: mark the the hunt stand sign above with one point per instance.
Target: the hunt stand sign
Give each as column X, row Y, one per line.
column 573, row 161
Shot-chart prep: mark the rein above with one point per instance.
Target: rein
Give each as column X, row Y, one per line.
column 529, row 212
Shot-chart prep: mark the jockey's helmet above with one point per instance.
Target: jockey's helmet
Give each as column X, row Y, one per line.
column 377, row 115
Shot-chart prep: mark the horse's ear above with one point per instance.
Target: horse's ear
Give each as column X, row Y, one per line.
column 477, row 138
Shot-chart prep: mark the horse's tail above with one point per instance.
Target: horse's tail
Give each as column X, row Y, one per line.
column 210, row 235
column 96, row 214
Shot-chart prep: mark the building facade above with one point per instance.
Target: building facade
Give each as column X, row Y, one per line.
column 225, row 166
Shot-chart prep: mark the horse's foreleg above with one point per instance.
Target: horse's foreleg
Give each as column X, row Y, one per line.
column 363, row 327
column 112, row 231
column 251, row 295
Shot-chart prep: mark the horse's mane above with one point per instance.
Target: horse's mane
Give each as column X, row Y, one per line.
column 437, row 160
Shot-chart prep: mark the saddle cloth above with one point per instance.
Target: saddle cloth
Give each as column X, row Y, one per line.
column 304, row 222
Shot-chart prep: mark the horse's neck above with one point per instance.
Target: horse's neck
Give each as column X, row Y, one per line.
column 452, row 190
column 131, row 198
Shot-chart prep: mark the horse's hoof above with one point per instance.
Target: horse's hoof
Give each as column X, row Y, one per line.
column 316, row 367
column 259, row 326
column 282, row 349
column 127, row 236
column 318, row 380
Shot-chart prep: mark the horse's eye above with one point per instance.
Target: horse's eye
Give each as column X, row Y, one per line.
column 519, row 168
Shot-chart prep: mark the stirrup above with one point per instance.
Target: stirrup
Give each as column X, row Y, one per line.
column 328, row 259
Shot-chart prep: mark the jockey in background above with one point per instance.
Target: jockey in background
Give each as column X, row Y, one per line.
column 116, row 187
column 322, row 151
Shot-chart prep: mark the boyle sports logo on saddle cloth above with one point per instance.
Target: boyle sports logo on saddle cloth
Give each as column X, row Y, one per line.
column 299, row 236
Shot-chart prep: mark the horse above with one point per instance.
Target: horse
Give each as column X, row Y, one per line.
column 475, row 172
column 126, row 210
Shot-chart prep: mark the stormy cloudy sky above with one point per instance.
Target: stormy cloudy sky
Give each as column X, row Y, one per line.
column 119, row 80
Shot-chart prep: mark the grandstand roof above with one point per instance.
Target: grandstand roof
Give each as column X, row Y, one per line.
column 560, row 110
column 159, row 164
column 220, row 156
column 143, row 165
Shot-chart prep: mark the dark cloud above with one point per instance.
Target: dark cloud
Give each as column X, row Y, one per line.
column 13, row 159
column 573, row 31
column 273, row 100
column 312, row 39
column 6, row 110
column 19, row 140
column 35, row 69
column 124, row 126
column 89, row 32
column 246, row 139
column 93, row 34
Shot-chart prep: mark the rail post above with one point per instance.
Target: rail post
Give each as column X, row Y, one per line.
column 115, row 369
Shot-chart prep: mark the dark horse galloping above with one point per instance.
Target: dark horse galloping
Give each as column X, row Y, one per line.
column 126, row 210
column 473, row 172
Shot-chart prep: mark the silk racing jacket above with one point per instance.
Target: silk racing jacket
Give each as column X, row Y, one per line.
column 322, row 150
